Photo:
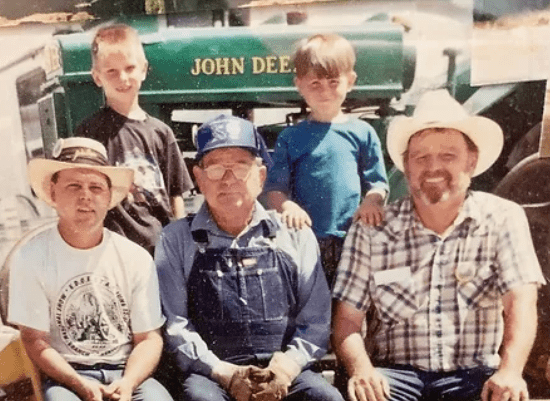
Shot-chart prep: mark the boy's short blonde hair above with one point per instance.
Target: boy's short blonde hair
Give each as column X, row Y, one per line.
column 327, row 55
column 115, row 34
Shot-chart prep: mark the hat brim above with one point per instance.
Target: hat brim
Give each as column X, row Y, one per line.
column 40, row 173
column 200, row 154
column 485, row 133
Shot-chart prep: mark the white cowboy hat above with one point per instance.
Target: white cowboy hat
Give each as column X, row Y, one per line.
column 437, row 109
column 78, row 152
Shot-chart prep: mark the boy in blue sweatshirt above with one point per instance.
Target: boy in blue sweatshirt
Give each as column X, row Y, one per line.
column 329, row 169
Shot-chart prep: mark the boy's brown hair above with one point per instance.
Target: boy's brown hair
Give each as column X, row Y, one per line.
column 327, row 55
column 114, row 34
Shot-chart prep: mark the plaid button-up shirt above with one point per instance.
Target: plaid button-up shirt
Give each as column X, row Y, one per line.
column 438, row 299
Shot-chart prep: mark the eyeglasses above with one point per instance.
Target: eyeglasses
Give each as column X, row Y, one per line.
column 217, row 171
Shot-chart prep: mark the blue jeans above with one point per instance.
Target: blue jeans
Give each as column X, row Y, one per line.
column 149, row 390
column 410, row 384
column 308, row 386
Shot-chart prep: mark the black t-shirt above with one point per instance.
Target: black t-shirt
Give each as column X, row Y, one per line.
column 149, row 147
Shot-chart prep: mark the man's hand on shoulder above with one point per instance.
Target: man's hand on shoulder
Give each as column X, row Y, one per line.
column 371, row 210
column 504, row 386
column 368, row 386
column 294, row 216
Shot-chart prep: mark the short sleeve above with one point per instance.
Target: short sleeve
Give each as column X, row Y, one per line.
column 146, row 310
column 175, row 172
column 351, row 283
column 517, row 260
column 28, row 303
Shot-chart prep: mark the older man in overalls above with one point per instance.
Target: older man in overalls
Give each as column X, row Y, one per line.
column 247, row 303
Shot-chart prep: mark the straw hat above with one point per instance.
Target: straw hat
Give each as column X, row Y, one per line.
column 437, row 109
column 78, row 152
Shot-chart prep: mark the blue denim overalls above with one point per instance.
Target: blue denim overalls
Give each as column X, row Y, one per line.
column 241, row 299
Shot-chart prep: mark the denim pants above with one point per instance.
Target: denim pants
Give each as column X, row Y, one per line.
column 149, row 390
column 308, row 386
column 410, row 384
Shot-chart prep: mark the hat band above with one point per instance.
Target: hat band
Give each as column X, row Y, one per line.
column 83, row 156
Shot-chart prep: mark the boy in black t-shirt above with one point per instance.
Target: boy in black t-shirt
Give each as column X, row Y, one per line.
column 135, row 139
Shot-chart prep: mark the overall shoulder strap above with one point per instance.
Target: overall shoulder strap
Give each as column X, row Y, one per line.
column 199, row 236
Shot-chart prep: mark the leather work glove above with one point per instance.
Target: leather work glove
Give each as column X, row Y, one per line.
column 235, row 379
column 241, row 385
column 272, row 383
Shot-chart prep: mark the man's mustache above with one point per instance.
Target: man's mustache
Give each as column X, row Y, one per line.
column 436, row 174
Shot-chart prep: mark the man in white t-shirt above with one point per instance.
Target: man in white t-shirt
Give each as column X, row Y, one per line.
column 86, row 299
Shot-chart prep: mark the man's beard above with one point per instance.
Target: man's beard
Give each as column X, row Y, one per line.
column 432, row 193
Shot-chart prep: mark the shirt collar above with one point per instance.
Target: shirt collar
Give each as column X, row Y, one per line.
column 204, row 221
column 406, row 218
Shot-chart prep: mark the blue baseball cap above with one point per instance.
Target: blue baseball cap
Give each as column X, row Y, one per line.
column 225, row 131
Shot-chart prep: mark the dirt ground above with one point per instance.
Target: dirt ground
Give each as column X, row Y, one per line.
column 47, row 18
column 531, row 19
column 151, row 7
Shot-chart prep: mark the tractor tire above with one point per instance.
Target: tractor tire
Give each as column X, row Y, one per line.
column 528, row 184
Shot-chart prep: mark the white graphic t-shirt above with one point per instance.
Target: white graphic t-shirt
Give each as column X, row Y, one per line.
column 90, row 301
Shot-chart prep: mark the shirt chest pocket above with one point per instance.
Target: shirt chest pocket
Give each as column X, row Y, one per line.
column 477, row 286
column 394, row 295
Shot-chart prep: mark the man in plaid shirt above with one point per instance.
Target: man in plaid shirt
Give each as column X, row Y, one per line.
column 449, row 280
